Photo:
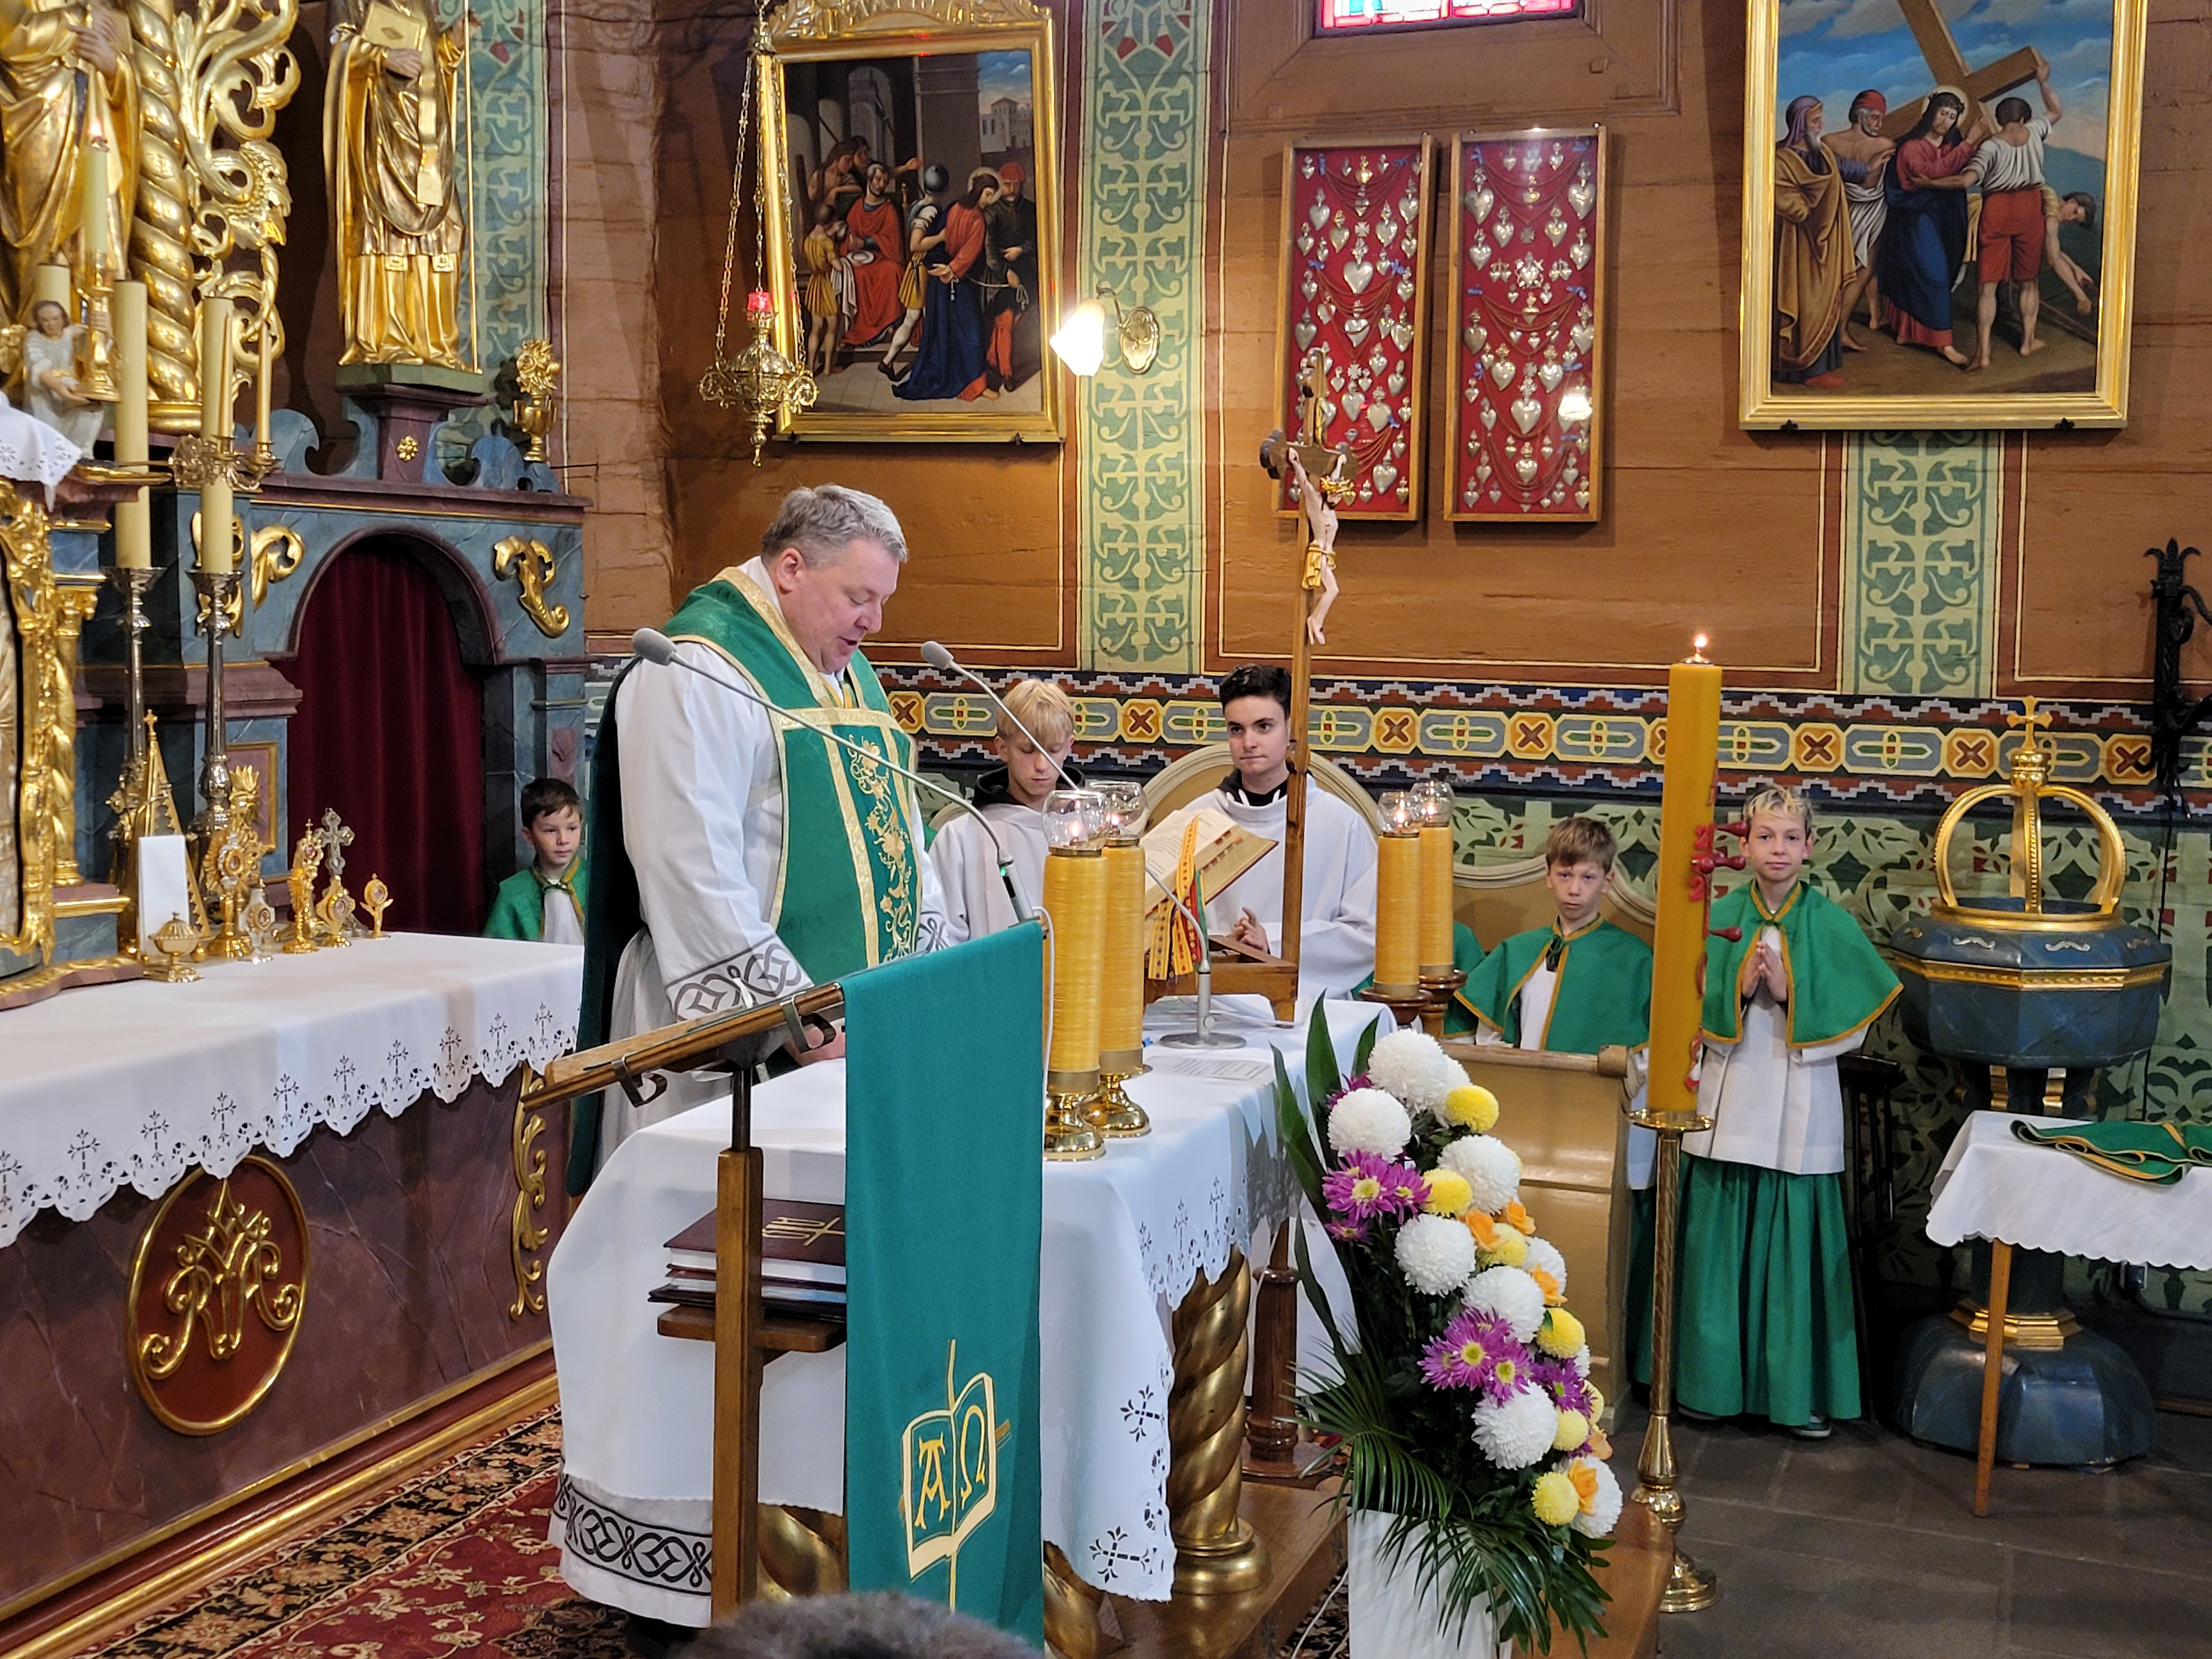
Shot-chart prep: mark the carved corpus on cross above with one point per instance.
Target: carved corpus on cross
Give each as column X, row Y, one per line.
column 1948, row 65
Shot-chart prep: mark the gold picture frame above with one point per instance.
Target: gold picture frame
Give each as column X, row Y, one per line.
column 37, row 728
column 1923, row 229
column 875, row 49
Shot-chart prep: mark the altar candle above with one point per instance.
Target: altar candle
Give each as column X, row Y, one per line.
column 93, row 164
column 1075, row 899
column 1432, row 803
column 265, row 379
column 1121, row 1012
column 51, row 281
column 1678, row 943
column 134, row 541
column 218, row 553
column 1398, row 898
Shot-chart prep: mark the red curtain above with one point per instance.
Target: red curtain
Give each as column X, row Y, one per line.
column 390, row 732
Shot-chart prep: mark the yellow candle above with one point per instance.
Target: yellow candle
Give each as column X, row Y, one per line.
column 1121, row 1014
column 265, row 379
column 52, row 282
column 1075, row 899
column 214, row 368
column 1678, row 944
column 1397, row 907
column 1435, row 905
column 93, row 164
column 134, row 541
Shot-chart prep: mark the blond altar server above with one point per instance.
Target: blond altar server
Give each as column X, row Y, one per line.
column 1011, row 796
column 741, row 856
column 1336, row 941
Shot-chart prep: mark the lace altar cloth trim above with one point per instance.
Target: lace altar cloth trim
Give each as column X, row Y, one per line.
column 31, row 451
column 136, row 1084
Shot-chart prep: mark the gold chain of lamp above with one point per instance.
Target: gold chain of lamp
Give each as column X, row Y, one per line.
column 760, row 382
column 2029, row 784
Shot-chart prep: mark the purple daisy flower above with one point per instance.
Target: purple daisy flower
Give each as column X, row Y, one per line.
column 1477, row 1352
column 1347, row 1232
column 1569, row 1389
column 1360, row 1187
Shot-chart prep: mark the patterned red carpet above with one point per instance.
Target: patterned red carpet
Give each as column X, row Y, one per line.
column 454, row 1561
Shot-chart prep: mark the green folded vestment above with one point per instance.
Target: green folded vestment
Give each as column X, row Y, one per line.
column 2160, row 1153
column 1838, row 982
column 1601, row 997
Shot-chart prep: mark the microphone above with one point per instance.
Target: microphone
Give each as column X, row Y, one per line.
column 653, row 646
column 943, row 661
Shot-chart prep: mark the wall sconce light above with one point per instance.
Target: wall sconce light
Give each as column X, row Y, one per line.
column 1081, row 342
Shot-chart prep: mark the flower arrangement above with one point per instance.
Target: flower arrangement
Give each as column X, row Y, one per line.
column 1461, row 1396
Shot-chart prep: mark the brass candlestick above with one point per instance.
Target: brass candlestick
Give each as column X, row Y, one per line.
column 216, row 589
column 1436, row 991
column 1689, row 1586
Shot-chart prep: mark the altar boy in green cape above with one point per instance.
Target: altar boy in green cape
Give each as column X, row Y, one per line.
column 1574, row 988
column 1766, row 1314
column 545, row 899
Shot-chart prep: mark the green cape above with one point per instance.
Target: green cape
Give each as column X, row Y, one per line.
column 518, row 908
column 1838, row 982
column 849, row 823
column 1603, row 996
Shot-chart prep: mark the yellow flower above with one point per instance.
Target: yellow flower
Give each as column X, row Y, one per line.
column 1574, row 1428
column 1507, row 1248
column 1556, row 1500
column 1597, row 1401
column 1448, row 1194
column 1550, row 1286
column 1471, row 1106
column 1560, row 1334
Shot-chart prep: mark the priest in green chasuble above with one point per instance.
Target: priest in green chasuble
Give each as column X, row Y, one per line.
column 740, row 855
column 1767, row 1324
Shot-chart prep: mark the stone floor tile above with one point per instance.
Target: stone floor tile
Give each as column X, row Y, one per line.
column 2093, row 1610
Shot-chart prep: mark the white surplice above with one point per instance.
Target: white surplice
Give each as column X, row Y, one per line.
column 1535, row 1005
column 1772, row 1105
column 702, row 822
column 966, row 868
column 557, row 920
column 1336, row 946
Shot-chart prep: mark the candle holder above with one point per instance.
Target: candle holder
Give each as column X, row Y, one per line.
column 1689, row 1586
column 1075, row 903
column 199, row 460
column 1121, row 1014
column 216, row 590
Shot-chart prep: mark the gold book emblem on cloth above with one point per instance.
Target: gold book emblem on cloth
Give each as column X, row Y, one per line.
column 951, row 1481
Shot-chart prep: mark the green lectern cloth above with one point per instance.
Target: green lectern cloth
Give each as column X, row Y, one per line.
column 944, row 1216
column 2158, row 1152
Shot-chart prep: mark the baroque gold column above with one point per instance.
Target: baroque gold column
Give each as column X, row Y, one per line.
column 1217, row 1552
column 78, row 595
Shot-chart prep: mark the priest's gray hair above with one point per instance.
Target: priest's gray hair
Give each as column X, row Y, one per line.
column 824, row 522
column 880, row 1625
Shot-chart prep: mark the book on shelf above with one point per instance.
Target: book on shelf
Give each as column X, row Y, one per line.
column 802, row 1259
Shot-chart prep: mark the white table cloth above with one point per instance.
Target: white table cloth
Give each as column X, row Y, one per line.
column 1995, row 1186
column 135, row 1084
column 1125, row 1236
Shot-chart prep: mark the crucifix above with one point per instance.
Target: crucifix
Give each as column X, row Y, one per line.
column 333, row 838
column 1948, row 65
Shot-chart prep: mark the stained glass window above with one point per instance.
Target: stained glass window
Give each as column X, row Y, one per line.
column 1351, row 16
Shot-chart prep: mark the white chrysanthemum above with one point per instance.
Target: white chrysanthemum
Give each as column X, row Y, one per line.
column 1510, row 1294
column 1437, row 1253
column 1369, row 1120
column 1492, row 1169
column 1543, row 1254
column 1414, row 1067
column 1580, row 1361
column 1517, row 1432
column 1598, row 1520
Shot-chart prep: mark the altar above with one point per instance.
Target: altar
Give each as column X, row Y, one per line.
column 1125, row 1238
column 250, row 1222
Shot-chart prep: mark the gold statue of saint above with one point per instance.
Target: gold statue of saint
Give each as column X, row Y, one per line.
column 48, row 51
column 399, row 211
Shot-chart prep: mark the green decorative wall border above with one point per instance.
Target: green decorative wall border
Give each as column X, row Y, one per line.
column 1920, row 533
column 1143, row 167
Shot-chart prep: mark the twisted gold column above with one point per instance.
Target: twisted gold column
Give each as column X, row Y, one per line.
column 1217, row 1552
column 160, row 229
column 802, row 1552
column 76, row 597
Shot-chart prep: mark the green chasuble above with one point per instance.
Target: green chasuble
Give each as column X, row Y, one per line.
column 1838, row 982
column 518, row 908
column 1602, row 996
column 848, row 884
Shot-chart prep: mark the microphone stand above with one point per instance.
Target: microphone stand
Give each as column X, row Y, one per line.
column 1203, row 1036
column 655, row 646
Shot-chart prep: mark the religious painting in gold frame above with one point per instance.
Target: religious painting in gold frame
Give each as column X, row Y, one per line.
column 1351, row 314
column 1526, row 414
column 951, row 100
column 1968, row 177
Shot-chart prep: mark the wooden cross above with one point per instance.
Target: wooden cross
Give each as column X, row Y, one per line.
column 333, row 838
column 1948, row 65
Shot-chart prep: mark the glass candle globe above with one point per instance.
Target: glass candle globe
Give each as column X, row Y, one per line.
column 1074, row 819
column 1124, row 805
column 1433, row 801
column 1401, row 815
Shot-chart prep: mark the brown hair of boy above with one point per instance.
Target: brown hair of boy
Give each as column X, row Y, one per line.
column 1579, row 841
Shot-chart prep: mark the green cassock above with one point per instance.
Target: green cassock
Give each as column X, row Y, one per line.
column 1602, row 996
column 518, row 908
column 849, row 889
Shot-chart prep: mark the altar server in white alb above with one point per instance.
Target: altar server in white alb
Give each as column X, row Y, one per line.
column 1336, row 942
column 1011, row 796
column 742, row 855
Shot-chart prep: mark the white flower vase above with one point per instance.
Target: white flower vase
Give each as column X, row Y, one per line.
column 1395, row 1614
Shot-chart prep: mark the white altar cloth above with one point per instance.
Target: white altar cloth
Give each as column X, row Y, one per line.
column 135, row 1084
column 1993, row 1185
column 1125, row 1236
